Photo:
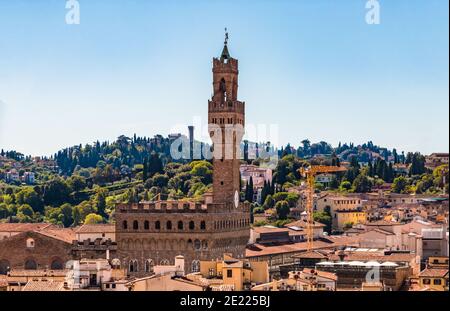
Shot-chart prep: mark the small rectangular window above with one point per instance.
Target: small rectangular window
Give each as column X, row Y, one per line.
column 229, row 273
column 437, row 282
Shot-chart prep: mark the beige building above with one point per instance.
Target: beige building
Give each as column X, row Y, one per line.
column 98, row 231
column 259, row 175
column 235, row 274
column 92, row 273
column 434, row 279
column 344, row 210
column 304, row 280
column 165, row 282
column 436, row 159
column 345, row 218
column 337, row 202
column 20, row 280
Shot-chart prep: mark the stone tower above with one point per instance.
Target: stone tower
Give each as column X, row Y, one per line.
column 226, row 119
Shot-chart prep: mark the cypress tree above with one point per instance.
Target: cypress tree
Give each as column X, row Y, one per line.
column 251, row 191
column 145, row 170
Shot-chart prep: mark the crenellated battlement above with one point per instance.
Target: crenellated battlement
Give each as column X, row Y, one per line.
column 180, row 207
column 226, row 65
column 231, row 106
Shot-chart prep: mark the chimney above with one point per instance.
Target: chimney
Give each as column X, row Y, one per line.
column 341, row 255
column 179, row 265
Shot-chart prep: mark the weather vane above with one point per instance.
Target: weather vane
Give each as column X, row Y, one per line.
column 226, row 36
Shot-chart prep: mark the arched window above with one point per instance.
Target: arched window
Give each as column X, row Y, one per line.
column 4, row 266
column 204, row 244
column 191, row 225
column 57, row 264
column 180, row 225
column 169, row 225
column 146, row 225
column 133, row 266
column 115, row 263
column 124, row 225
column 197, row 244
column 164, row 262
column 203, row 225
column 135, row 225
column 157, row 225
column 195, row 267
column 30, row 264
column 149, row 264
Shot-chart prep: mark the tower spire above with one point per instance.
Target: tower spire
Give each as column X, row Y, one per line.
column 225, row 52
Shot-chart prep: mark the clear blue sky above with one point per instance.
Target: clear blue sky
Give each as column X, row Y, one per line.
column 313, row 67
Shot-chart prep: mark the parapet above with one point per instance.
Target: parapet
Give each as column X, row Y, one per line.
column 162, row 207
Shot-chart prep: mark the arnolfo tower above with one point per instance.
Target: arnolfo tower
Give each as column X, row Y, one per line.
column 226, row 116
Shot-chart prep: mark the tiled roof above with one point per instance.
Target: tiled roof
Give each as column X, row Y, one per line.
column 98, row 228
column 62, row 234
column 43, row 286
column 302, row 224
column 382, row 223
column 433, row 272
column 385, row 232
column 366, row 256
column 255, row 250
column 266, row 229
column 36, row 273
column 327, row 275
column 23, row 227
column 311, row 255
column 50, row 230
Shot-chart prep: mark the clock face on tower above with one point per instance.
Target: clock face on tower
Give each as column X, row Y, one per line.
column 236, row 199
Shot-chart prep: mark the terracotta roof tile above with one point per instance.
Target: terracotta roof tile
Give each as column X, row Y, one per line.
column 327, row 275
column 23, row 227
column 382, row 223
column 311, row 255
column 433, row 272
column 36, row 273
column 365, row 256
column 43, row 286
column 62, row 234
column 302, row 224
column 106, row 228
column 256, row 249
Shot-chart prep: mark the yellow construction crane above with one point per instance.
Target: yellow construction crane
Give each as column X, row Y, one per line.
column 310, row 173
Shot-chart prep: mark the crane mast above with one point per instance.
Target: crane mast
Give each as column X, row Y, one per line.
column 310, row 174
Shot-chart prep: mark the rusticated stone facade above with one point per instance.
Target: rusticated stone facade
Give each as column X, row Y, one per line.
column 153, row 233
